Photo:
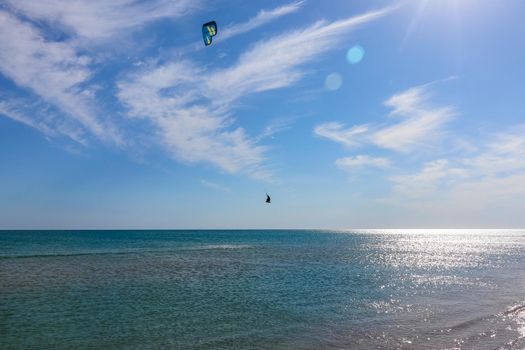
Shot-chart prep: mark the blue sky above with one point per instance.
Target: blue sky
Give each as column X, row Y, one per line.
column 115, row 115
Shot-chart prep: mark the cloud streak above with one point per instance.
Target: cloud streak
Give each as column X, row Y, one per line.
column 12, row 111
column 419, row 126
column 360, row 161
column 262, row 18
column 191, row 131
column 336, row 132
column 420, row 123
column 100, row 19
column 53, row 71
column 215, row 186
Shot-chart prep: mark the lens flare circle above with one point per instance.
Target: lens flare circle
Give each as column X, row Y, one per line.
column 333, row 81
column 355, row 54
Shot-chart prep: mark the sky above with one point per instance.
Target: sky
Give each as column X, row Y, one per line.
column 350, row 114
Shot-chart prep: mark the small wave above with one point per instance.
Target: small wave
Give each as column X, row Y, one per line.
column 63, row 255
column 515, row 310
column 125, row 252
column 469, row 323
column 518, row 313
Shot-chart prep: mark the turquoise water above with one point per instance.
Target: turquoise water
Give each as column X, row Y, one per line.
column 262, row 289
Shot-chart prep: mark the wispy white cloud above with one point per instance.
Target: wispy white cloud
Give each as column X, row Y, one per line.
column 420, row 124
column 168, row 97
column 428, row 180
column 262, row 18
column 54, row 71
column 13, row 112
column 215, row 186
column 100, row 19
column 157, row 90
column 408, row 101
column 193, row 135
column 41, row 117
column 493, row 176
column 273, row 127
column 336, row 132
column 504, row 155
column 192, row 106
column 360, row 161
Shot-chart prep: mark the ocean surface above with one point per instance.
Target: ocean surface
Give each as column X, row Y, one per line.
column 366, row 289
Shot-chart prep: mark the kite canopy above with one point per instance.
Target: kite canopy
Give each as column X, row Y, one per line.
column 209, row 30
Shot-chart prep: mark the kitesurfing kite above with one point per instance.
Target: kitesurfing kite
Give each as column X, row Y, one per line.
column 209, row 30
column 268, row 199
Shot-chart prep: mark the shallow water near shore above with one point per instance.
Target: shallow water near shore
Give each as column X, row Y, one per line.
column 263, row 289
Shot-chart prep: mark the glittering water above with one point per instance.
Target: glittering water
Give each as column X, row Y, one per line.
column 262, row 289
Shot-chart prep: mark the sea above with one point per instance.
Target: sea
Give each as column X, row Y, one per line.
column 262, row 289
